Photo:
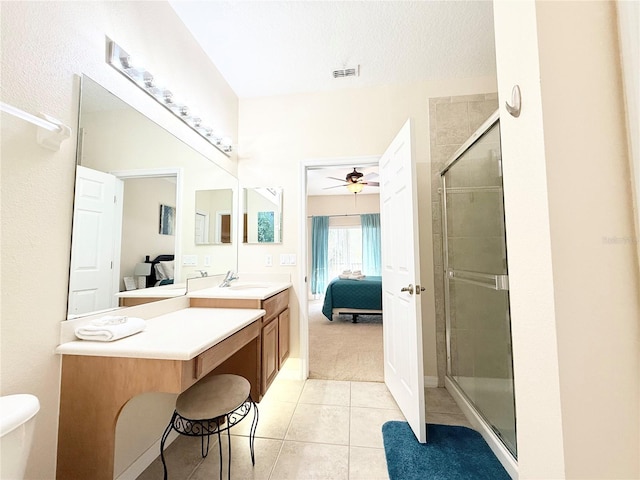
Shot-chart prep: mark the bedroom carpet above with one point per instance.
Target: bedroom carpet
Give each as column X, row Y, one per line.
column 342, row 350
column 451, row 453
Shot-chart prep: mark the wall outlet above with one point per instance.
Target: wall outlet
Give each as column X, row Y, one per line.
column 207, row 260
column 190, row 260
column 268, row 261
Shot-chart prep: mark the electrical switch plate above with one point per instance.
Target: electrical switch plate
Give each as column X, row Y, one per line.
column 190, row 260
column 284, row 259
column 268, row 261
column 292, row 259
column 207, row 260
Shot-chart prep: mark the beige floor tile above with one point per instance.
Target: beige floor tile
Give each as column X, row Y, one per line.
column 367, row 464
column 371, row 394
column 311, row 461
column 266, row 453
column 326, row 392
column 448, row 419
column 182, row 457
column 273, row 420
column 439, row 400
column 284, row 390
column 366, row 425
column 320, row 423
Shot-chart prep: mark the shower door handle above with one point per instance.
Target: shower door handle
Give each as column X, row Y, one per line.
column 408, row 289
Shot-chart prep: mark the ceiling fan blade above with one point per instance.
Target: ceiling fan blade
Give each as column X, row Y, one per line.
column 373, row 184
column 335, row 186
column 370, row 175
column 338, row 179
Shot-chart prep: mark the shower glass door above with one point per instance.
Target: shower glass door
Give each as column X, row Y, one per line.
column 479, row 358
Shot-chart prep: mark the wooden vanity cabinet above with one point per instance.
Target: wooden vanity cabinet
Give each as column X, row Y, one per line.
column 274, row 335
column 283, row 337
column 269, row 353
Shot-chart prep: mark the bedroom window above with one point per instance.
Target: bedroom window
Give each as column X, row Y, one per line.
column 345, row 249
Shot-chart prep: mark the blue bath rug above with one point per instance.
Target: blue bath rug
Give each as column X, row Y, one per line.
column 451, row 453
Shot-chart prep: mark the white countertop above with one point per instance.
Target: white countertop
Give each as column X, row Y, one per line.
column 165, row 291
column 245, row 290
column 179, row 335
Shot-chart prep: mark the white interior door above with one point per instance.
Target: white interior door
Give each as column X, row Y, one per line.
column 92, row 285
column 402, row 326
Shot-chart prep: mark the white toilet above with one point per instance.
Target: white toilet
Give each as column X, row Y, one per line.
column 17, row 421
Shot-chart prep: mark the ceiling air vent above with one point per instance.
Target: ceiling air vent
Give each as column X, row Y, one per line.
column 347, row 72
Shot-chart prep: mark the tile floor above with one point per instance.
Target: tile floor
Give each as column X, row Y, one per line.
column 318, row 429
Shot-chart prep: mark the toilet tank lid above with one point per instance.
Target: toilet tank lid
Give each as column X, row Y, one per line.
column 16, row 410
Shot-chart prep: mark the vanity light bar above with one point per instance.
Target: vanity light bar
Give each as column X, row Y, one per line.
column 121, row 61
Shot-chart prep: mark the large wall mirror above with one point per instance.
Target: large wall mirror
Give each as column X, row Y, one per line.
column 262, row 216
column 143, row 198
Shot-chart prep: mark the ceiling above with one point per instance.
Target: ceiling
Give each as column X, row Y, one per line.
column 267, row 48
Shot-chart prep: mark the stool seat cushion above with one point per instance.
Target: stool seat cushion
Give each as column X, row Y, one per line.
column 213, row 396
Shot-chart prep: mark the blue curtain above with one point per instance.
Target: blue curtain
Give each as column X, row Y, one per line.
column 371, row 253
column 319, row 254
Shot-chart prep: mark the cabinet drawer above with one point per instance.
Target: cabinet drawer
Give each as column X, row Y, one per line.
column 211, row 358
column 274, row 305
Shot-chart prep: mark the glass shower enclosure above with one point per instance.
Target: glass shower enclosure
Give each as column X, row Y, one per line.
column 478, row 326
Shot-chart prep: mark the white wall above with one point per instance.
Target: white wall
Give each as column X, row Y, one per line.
column 574, row 293
column 277, row 133
column 45, row 46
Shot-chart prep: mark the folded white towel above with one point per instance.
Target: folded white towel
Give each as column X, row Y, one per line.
column 356, row 277
column 346, row 272
column 356, row 272
column 109, row 328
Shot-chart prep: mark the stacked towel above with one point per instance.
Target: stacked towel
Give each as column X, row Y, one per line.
column 356, row 275
column 349, row 275
column 345, row 274
column 109, row 328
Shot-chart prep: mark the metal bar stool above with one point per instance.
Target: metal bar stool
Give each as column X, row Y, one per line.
column 213, row 405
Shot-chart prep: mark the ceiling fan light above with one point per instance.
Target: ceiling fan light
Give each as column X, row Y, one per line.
column 355, row 187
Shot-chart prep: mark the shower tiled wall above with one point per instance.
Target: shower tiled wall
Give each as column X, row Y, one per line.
column 451, row 121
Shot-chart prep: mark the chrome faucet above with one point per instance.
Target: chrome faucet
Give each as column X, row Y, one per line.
column 230, row 277
column 203, row 273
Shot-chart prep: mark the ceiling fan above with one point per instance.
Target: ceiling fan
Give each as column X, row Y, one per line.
column 355, row 181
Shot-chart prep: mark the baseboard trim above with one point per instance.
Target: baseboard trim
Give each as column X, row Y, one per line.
column 500, row 451
column 143, row 461
column 430, row 382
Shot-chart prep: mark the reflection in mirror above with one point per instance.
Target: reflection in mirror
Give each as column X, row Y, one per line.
column 213, row 216
column 145, row 238
column 262, row 219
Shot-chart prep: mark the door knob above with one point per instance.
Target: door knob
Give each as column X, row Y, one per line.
column 408, row 289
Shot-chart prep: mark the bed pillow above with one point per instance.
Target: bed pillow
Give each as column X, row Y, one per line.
column 160, row 275
column 168, row 268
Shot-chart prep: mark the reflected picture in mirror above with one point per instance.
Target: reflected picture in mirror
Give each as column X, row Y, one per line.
column 262, row 216
column 214, row 222
column 123, row 155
